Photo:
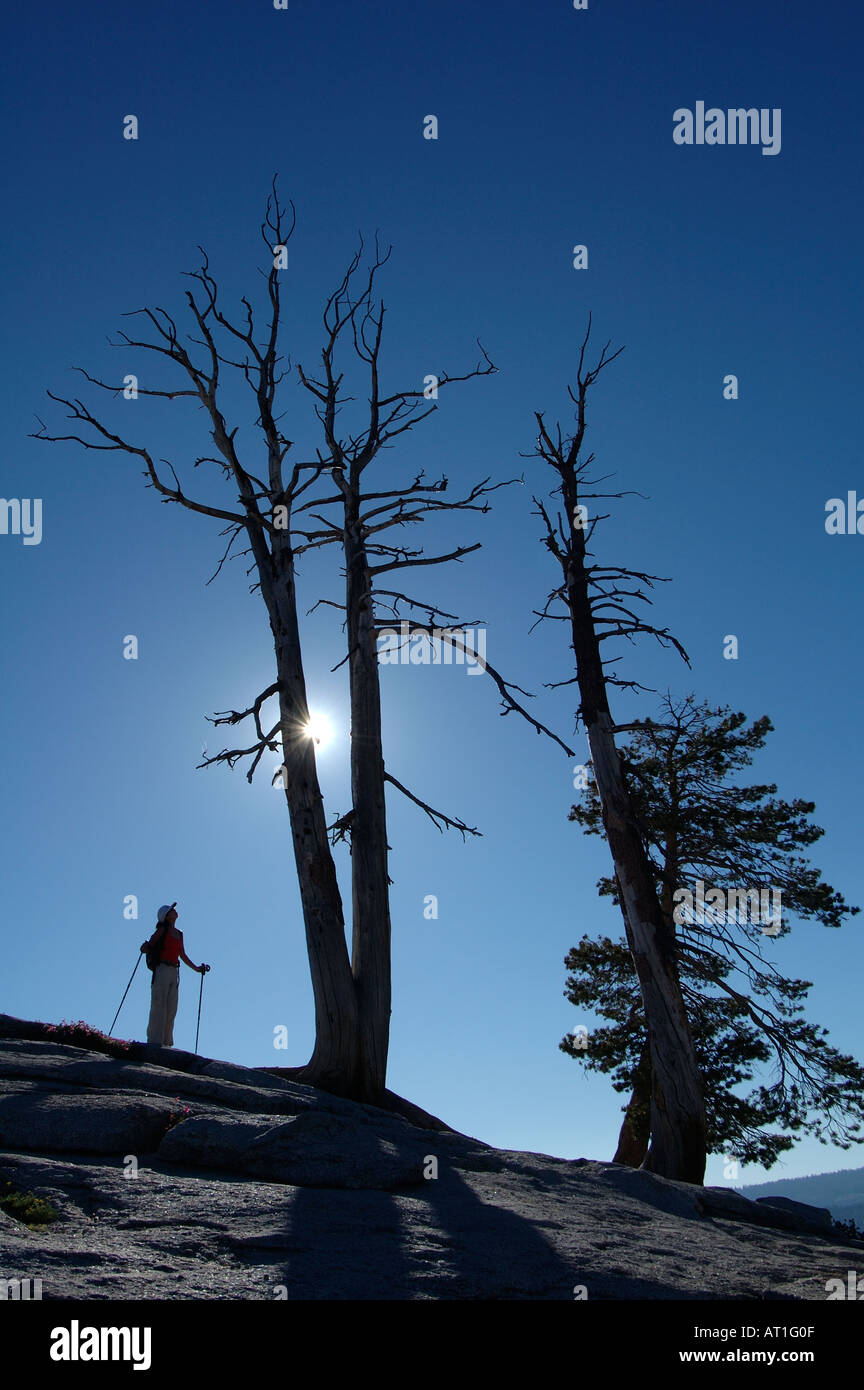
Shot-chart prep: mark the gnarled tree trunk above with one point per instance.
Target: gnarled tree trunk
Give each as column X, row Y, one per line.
column 334, row 1064
column 635, row 1132
column 370, row 955
column 678, row 1135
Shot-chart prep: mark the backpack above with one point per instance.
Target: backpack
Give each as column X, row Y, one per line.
column 153, row 947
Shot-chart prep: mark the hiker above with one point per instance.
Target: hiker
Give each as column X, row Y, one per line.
column 164, row 989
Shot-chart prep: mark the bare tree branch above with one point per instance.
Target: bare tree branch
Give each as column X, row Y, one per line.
column 434, row 816
column 236, row 717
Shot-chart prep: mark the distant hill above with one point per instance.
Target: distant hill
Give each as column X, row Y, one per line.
column 842, row 1192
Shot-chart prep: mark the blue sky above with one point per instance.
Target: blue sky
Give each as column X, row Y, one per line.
column 555, row 129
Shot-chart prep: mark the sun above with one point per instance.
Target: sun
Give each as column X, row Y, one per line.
column 318, row 728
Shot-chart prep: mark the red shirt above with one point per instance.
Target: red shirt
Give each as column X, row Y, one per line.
column 172, row 945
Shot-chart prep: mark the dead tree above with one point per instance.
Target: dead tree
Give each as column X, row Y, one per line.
column 278, row 511
column 264, row 515
column 598, row 604
column 364, row 511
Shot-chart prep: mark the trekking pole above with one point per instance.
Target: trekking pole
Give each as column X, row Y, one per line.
column 123, row 1000
column 200, row 994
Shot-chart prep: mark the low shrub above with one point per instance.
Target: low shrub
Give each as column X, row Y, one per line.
column 80, row 1034
column 27, row 1208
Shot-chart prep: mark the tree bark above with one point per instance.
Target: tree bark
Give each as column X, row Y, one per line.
column 334, row 1064
column 370, row 954
column 635, row 1134
column 678, row 1131
column 635, row 1131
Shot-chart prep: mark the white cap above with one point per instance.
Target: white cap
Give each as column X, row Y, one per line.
column 163, row 912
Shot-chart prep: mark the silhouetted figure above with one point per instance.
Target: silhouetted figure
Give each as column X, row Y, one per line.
column 165, row 985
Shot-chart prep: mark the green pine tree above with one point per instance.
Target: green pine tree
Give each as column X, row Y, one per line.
column 699, row 824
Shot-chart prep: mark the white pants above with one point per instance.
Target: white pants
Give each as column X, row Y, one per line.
column 164, row 991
